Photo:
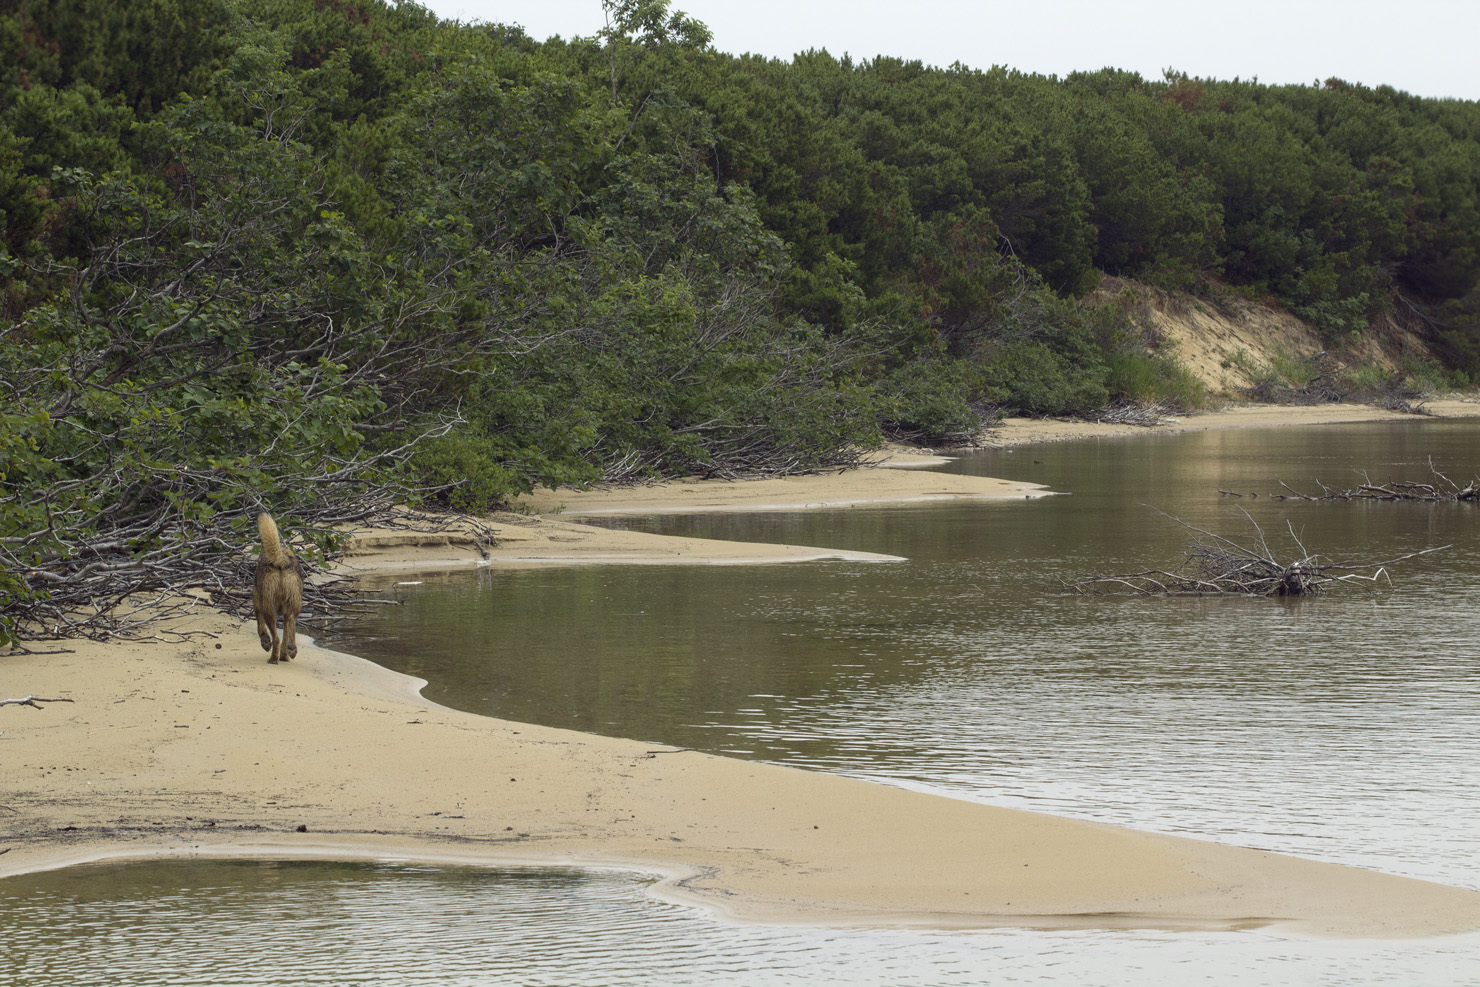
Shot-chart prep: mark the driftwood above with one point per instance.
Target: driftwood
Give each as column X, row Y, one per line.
column 1216, row 566
column 32, row 701
column 1441, row 489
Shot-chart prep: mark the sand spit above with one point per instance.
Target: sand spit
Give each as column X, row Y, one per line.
column 379, row 557
column 896, row 482
column 203, row 749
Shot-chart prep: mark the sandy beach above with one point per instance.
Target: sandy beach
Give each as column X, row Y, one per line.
column 1028, row 431
column 201, row 748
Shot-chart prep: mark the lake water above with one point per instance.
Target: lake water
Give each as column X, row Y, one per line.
column 1341, row 728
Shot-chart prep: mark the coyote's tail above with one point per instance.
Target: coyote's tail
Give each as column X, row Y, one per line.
column 272, row 546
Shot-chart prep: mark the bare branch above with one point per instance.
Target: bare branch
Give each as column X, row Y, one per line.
column 1224, row 567
column 32, row 701
column 1443, row 490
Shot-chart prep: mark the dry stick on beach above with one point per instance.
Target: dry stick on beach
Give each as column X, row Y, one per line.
column 32, row 701
column 1214, row 565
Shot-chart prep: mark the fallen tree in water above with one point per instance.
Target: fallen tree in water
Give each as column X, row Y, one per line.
column 1217, row 566
column 1440, row 489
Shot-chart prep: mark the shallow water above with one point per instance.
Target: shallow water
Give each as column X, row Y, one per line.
column 249, row 923
column 1341, row 728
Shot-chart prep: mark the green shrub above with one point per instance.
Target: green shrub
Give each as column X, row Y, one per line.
column 1030, row 376
column 1368, row 379
column 1297, row 371
column 1153, row 379
column 1428, row 375
column 465, row 473
column 931, row 399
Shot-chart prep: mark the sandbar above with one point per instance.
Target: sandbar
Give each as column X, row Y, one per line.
column 895, row 479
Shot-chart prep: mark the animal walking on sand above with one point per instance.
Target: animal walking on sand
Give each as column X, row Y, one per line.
column 277, row 591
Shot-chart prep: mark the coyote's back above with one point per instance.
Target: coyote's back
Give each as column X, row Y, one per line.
column 277, row 591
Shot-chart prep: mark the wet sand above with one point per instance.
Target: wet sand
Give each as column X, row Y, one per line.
column 203, row 748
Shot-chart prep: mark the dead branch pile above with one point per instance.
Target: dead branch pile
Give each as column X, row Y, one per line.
column 1440, row 489
column 1216, row 566
column 1328, row 383
column 103, row 588
column 1144, row 415
column 748, row 459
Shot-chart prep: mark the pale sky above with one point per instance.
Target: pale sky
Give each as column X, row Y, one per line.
column 1427, row 47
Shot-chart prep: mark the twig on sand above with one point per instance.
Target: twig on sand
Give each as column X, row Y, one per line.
column 32, row 701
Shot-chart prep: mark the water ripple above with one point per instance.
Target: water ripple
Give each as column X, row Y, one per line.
column 197, row 923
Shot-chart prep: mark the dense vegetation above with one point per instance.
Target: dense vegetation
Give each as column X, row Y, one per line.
column 321, row 256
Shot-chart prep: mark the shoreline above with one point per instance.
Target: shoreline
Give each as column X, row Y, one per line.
column 891, row 485
column 202, row 749
column 1034, row 431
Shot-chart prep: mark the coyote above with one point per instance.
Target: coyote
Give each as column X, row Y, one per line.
column 277, row 591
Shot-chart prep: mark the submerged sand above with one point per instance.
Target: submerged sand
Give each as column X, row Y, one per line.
column 203, row 748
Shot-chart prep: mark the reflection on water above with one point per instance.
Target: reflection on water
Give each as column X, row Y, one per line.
column 248, row 923
column 1342, row 728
